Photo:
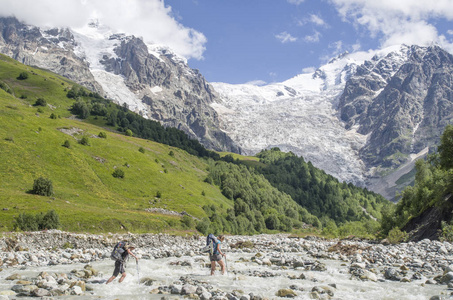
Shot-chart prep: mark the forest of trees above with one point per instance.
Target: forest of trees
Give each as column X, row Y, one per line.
column 258, row 206
column 321, row 194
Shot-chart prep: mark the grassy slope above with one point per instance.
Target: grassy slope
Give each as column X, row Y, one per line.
column 86, row 195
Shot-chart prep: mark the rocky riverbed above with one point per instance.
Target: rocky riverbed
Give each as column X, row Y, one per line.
column 60, row 265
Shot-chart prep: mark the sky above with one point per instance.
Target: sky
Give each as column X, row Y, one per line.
column 255, row 41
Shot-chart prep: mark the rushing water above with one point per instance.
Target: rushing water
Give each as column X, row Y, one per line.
column 240, row 276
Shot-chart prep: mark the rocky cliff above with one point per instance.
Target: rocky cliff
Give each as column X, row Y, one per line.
column 176, row 95
column 51, row 49
column 404, row 108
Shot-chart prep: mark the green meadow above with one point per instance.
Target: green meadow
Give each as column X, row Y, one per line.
column 87, row 197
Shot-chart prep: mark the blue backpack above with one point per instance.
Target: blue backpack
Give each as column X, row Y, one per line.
column 211, row 242
column 118, row 250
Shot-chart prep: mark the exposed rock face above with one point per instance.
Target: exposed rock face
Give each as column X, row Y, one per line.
column 404, row 107
column 183, row 96
column 429, row 223
column 50, row 49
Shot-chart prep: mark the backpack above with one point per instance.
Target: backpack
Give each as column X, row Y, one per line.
column 211, row 242
column 118, row 250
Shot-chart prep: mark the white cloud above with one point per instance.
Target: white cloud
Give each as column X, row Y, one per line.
column 257, row 82
column 450, row 32
column 308, row 70
column 397, row 22
column 314, row 38
column 297, row 2
column 315, row 19
column 285, row 37
column 149, row 19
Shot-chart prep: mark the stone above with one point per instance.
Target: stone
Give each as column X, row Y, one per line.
column 205, row 295
column 7, row 293
column 147, row 281
column 188, row 289
column 14, row 276
column 40, row 293
column 24, row 282
column 286, row 293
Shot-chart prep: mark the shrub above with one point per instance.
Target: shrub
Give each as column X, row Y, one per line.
column 187, row 221
column 39, row 221
column 50, row 220
column 158, row 194
column 118, row 173
column 396, row 236
column 53, row 116
column 141, row 149
column 203, row 225
column 23, row 76
column 102, row 135
column 40, row 110
column 171, row 153
column 67, row 144
column 84, row 141
column 446, row 234
column 129, row 132
column 41, row 102
column 43, row 187
column 203, row 193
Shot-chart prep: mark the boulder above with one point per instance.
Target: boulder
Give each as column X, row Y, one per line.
column 286, row 293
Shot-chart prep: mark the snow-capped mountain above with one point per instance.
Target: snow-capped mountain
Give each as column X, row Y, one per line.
column 150, row 79
column 359, row 116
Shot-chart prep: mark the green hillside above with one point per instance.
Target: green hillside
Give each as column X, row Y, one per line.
column 86, row 195
column 54, row 129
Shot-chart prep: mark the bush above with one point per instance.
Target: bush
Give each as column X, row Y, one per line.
column 40, row 221
column 118, row 173
column 141, row 149
column 102, row 135
column 53, row 116
column 43, row 187
column 23, row 76
column 446, row 234
column 67, row 144
column 41, row 102
column 129, row 132
column 203, row 226
column 396, row 236
column 84, row 141
column 171, row 153
column 158, row 194
column 187, row 221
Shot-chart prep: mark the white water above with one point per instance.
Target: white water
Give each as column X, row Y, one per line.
column 237, row 278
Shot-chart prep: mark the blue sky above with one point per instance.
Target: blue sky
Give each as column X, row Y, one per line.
column 266, row 41
column 274, row 40
column 261, row 41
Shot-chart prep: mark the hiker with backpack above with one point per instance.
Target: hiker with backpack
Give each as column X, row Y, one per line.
column 120, row 254
column 217, row 254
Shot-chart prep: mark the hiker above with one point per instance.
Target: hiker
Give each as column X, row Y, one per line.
column 216, row 255
column 121, row 253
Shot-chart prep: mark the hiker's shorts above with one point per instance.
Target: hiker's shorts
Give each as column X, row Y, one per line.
column 119, row 268
column 215, row 257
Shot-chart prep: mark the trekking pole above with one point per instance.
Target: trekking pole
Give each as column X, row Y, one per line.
column 138, row 273
column 226, row 265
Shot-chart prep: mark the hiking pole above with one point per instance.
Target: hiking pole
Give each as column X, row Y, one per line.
column 226, row 265
column 138, row 273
